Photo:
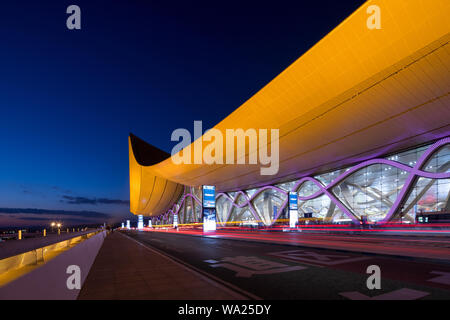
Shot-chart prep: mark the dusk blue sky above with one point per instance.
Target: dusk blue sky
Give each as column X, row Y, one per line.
column 69, row 98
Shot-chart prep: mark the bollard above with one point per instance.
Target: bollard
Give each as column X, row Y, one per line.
column 73, row 229
column 45, row 232
column 59, row 231
column 19, row 236
column 67, row 231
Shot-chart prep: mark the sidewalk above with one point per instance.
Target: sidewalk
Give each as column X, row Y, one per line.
column 125, row 269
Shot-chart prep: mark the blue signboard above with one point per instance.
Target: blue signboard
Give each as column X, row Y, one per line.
column 209, row 196
column 293, row 201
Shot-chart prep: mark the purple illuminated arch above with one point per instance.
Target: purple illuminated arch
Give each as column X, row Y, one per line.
column 413, row 173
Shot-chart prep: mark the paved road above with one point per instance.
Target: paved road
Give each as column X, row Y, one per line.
column 274, row 271
column 431, row 247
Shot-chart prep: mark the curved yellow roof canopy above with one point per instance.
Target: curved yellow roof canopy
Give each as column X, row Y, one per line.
column 149, row 193
column 357, row 93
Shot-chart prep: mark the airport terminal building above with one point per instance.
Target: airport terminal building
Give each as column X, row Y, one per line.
column 364, row 132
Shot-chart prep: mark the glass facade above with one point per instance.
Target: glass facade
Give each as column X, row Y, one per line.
column 385, row 189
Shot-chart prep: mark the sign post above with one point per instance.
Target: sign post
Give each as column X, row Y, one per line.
column 209, row 208
column 293, row 209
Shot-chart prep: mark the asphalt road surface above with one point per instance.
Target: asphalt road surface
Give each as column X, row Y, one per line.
column 275, row 271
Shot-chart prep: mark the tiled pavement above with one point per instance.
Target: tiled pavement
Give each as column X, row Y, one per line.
column 124, row 269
